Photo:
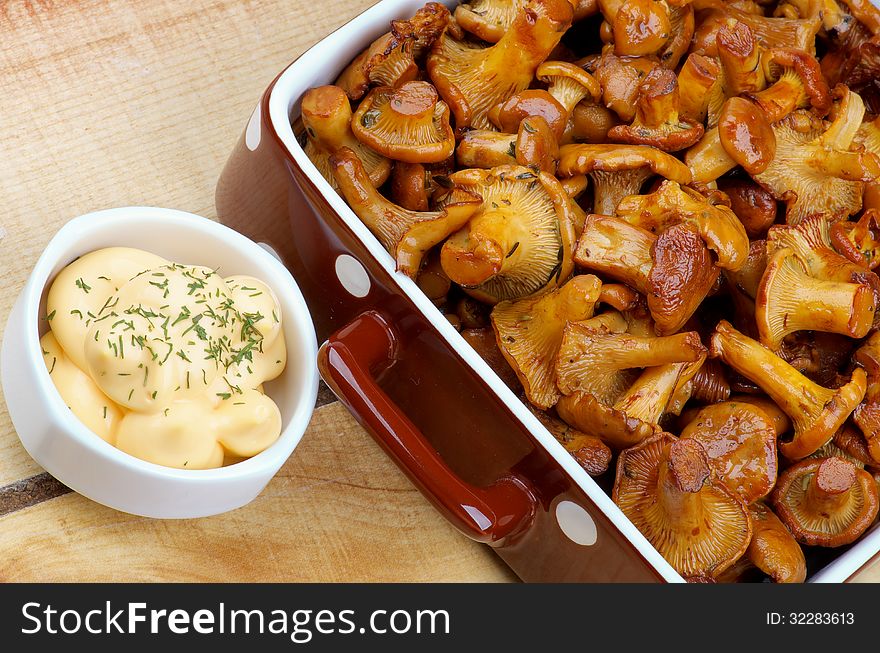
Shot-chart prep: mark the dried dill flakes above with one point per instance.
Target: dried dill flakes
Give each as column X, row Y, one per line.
column 526, row 175
column 82, row 285
column 528, row 127
column 50, row 316
column 511, row 152
column 512, row 249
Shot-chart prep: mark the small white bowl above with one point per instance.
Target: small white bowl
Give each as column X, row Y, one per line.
column 83, row 461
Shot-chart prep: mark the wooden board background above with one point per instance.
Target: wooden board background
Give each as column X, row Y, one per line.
column 108, row 103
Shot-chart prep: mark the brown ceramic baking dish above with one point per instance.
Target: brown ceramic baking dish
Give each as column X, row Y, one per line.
column 463, row 438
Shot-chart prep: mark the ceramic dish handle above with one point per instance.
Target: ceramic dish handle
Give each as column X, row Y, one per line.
column 349, row 362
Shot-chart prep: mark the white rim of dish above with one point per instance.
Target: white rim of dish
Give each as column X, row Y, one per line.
column 293, row 82
column 100, row 221
column 306, row 72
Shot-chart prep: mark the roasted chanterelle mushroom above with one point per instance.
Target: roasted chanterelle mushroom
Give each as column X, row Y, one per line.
column 663, row 238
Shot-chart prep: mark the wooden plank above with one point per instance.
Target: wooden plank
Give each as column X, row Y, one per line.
column 112, row 103
column 337, row 511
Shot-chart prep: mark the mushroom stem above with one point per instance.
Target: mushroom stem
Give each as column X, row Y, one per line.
column 696, row 79
column 658, row 100
column 482, row 148
column 611, row 187
column 790, row 300
column 817, row 412
column 679, row 483
column 828, row 487
column 851, row 166
column 649, row 396
column 740, row 59
column 708, row 159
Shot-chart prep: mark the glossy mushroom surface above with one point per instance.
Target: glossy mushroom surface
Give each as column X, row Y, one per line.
column 658, row 221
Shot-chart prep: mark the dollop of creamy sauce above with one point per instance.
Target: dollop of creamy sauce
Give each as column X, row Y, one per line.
column 166, row 361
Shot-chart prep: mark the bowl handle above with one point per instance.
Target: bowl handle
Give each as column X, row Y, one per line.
column 349, row 362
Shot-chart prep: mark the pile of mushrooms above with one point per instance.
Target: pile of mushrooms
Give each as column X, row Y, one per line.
column 658, row 221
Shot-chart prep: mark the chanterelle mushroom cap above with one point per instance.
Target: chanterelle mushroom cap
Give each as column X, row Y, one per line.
column 641, row 27
column 594, row 354
column 740, row 442
column 529, row 333
column 666, row 487
column 618, row 170
column 472, row 79
column 746, row 135
column 519, row 241
column 671, row 204
column 826, row 502
column 408, row 235
column 811, row 242
column 390, row 59
column 326, row 116
column 769, row 32
column 589, row 451
column 816, row 412
column 790, row 300
column 657, row 121
column 800, row 85
column 620, row 79
column 597, row 372
column 406, row 122
column 674, row 270
column 818, row 173
column 773, row 550
column 508, row 115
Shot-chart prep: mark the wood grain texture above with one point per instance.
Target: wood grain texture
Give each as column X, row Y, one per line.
column 337, row 511
column 110, row 103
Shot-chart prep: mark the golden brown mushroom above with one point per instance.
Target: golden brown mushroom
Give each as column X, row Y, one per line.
column 391, row 59
column 409, row 186
column 657, row 121
column 667, row 488
column 508, row 115
column 534, row 145
column 488, row 19
column 816, row 412
column 472, row 79
column 753, row 205
column 326, row 116
column 671, row 204
column 620, row 79
column 790, row 300
column 640, row 27
column 520, row 239
column 867, row 414
column 529, row 333
column 408, row 235
column 699, row 84
column 740, row 442
column 589, row 451
column 746, row 135
column 407, row 122
column 773, row 550
column 799, row 34
column 818, row 172
column 618, row 170
column 811, row 242
column 674, row 270
column 826, row 502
